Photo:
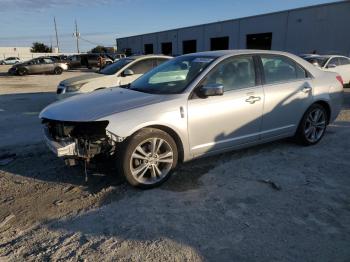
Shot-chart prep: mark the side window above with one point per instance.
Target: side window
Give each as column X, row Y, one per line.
column 301, row 73
column 142, row 66
column 235, row 73
column 344, row 61
column 48, row 61
column 334, row 61
column 281, row 69
column 160, row 61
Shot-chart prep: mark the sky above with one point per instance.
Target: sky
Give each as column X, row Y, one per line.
column 100, row 22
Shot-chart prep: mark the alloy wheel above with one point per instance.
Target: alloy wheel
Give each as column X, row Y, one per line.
column 315, row 125
column 151, row 160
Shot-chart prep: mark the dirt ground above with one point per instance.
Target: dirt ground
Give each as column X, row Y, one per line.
column 274, row 202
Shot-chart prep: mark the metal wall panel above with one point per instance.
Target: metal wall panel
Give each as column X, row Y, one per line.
column 275, row 23
column 323, row 28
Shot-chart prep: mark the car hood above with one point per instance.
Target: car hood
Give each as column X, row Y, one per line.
column 98, row 104
column 19, row 64
column 81, row 79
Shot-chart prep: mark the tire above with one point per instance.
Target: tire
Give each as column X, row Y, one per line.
column 22, row 71
column 58, row 71
column 312, row 127
column 139, row 167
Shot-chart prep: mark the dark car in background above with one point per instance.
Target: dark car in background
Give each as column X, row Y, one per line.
column 38, row 65
column 88, row 60
column 59, row 58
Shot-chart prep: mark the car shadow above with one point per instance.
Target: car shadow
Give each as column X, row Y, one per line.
column 220, row 223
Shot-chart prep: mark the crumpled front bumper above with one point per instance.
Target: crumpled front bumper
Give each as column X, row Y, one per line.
column 60, row 148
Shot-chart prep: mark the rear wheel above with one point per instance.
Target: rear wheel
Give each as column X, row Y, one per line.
column 58, row 71
column 22, row 71
column 312, row 126
column 148, row 158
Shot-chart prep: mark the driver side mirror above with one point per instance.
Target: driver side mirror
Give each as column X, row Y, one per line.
column 331, row 66
column 127, row 72
column 211, row 90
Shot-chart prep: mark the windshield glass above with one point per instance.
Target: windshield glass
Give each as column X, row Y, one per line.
column 318, row 61
column 115, row 67
column 173, row 76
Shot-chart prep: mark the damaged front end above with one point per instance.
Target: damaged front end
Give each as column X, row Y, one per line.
column 79, row 140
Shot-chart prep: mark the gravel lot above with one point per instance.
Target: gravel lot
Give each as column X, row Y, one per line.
column 213, row 209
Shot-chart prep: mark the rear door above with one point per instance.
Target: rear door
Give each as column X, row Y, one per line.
column 48, row 65
column 288, row 94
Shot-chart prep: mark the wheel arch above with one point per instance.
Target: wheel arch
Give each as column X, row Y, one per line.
column 326, row 105
column 173, row 134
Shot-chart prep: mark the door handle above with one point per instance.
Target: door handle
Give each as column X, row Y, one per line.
column 253, row 99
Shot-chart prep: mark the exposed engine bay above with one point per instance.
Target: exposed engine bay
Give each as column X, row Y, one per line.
column 79, row 140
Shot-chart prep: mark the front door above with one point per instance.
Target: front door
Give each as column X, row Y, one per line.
column 220, row 122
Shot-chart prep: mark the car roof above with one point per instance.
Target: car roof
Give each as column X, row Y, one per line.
column 221, row 53
column 136, row 57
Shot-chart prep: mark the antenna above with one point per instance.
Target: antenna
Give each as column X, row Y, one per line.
column 58, row 47
column 77, row 35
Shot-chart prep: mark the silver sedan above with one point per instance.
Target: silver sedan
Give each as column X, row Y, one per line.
column 192, row 106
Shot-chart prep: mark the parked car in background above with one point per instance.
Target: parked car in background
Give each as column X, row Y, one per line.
column 116, row 57
column 59, row 58
column 227, row 100
column 307, row 55
column 88, row 60
column 332, row 63
column 122, row 72
column 38, row 65
column 10, row 61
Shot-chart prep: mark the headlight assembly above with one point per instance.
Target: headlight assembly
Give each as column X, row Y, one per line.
column 73, row 88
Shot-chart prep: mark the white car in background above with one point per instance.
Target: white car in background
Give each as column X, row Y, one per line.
column 122, row 72
column 10, row 61
column 333, row 63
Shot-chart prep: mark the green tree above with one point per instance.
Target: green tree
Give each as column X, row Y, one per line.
column 99, row 49
column 38, row 47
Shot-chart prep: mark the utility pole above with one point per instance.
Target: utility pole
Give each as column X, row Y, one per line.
column 77, row 35
column 58, row 47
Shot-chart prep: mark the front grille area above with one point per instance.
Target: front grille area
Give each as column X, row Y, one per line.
column 60, row 130
column 59, row 91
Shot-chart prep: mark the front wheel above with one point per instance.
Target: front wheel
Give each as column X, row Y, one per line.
column 312, row 126
column 148, row 158
column 22, row 71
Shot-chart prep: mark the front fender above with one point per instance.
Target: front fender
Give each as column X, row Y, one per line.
column 166, row 114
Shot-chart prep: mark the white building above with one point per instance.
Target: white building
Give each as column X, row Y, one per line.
column 23, row 53
column 323, row 29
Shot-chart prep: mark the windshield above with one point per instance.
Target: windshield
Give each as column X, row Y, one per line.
column 115, row 67
column 318, row 61
column 173, row 76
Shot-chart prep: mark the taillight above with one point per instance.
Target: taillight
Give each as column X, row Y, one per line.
column 340, row 80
